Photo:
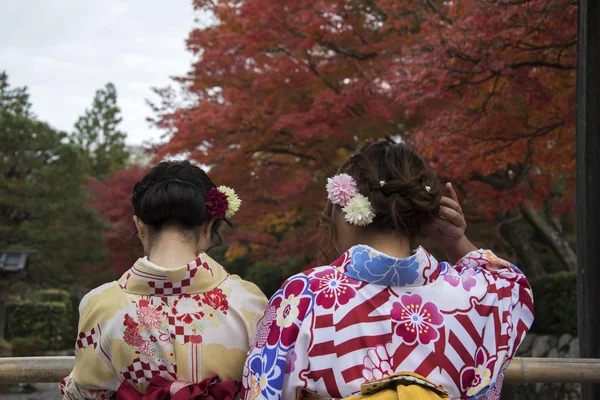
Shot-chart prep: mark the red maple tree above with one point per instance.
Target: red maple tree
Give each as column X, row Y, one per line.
column 284, row 90
column 507, row 79
column 113, row 201
column 503, row 122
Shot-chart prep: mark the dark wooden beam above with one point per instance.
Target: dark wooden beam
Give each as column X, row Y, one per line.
column 588, row 186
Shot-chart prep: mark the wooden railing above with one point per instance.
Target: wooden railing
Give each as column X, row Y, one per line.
column 520, row 371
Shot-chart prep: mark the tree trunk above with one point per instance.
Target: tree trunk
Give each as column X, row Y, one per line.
column 529, row 260
column 553, row 236
column 551, row 216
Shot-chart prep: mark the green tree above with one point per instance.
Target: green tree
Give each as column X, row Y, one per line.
column 97, row 134
column 43, row 197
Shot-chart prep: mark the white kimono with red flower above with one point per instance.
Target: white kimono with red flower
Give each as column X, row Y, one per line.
column 369, row 315
column 186, row 323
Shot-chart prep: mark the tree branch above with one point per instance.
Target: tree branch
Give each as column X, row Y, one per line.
column 509, row 141
column 347, row 52
column 541, row 64
column 502, row 179
column 439, row 12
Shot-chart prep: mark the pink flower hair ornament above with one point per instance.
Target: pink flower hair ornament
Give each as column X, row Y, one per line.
column 341, row 188
column 343, row 191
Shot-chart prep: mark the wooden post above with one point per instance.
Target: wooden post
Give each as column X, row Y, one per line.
column 3, row 300
column 588, row 186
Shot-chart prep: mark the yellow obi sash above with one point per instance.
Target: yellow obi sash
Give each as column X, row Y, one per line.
column 400, row 386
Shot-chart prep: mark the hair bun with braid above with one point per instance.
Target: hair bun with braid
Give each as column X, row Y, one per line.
column 404, row 194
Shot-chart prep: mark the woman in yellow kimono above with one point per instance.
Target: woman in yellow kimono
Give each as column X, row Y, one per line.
column 176, row 313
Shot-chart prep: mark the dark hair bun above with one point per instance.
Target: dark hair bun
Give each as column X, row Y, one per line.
column 172, row 193
column 410, row 196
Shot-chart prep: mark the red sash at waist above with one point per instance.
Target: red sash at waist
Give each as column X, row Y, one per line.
column 164, row 389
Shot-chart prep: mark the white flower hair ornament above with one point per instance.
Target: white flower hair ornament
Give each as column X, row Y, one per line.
column 233, row 201
column 343, row 191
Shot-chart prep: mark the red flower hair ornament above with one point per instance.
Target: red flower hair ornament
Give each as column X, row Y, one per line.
column 222, row 202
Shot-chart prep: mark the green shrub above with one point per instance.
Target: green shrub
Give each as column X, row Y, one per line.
column 50, row 320
column 5, row 348
column 269, row 276
column 73, row 321
column 51, row 315
column 29, row 346
column 72, row 303
column 54, row 295
column 555, row 302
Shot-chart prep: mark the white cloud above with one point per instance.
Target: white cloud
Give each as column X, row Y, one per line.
column 64, row 50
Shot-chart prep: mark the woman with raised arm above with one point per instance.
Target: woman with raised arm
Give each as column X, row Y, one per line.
column 382, row 316
column 176, row 317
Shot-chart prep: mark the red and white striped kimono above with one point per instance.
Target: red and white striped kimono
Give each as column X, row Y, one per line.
column 368, row 315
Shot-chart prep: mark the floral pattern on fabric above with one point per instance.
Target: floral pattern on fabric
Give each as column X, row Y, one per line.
column 371, row 266
column 292, row 304
column 483, row 258
column 148, row 315
column 475, row 379
column 289, row 364
column 332, row 288
column 189, row 314
column 378, row 363
column 132, row 332
column 280, row 325
column 150, row 309
column 216, row 299
column 465, row 278
column 457, row 326
column 416, row 321
column 269, row 367
column 187, row 308
column 71, row 391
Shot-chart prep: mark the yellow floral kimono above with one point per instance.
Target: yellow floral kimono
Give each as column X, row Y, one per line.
column 187, row 323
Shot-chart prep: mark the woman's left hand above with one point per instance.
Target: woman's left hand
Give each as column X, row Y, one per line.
column 449, row 228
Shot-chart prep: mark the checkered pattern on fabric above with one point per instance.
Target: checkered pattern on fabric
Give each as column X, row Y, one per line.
column 178, row 332
column 167, row 288
column 140, row 371
column 207, row 267
column 85, row 339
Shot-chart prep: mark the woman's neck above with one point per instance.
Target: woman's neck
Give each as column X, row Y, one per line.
column 170, row 251
column 394, row 245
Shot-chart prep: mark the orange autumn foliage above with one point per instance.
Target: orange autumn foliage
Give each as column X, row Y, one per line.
column 282, row 91
column 506, row 128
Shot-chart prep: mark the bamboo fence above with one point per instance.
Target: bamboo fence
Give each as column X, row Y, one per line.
column 520, row 371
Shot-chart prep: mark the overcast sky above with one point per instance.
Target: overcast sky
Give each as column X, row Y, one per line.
column 64, row 50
